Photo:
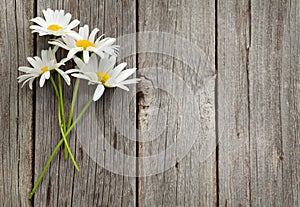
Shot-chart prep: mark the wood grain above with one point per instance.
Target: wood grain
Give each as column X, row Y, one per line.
column 93, row 186
column 233, row 104
column 258, row 117
column 273, row 74
column 253, row 46
column 290, row 103
column 192, row 180
column 16, row 43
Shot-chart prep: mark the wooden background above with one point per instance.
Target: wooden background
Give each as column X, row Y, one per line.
column 254, row 98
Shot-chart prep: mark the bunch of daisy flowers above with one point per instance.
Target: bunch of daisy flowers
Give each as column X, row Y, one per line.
column 95, row 61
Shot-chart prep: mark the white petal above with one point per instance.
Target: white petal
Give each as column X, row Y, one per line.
column 110, row 50
column 55, row 48
column 48, row 15
column 42, row 80
column 122, row 87
column 92, row 76
column 27, row 81
column 117, row 70
column 25, row 69
column 125, row 74
column 59, row 44
column 130, row 81
column 78, row 75
column 74, row 35
column 93, row 34
column 98, row 92
column 106, row 64
column 79, row 62
column 41, row 33
column 44, row 54
column 84, row 32
column 37, row 59
column 93, row 63
column 98, row 39
column 32, row 62
column 73, row 51
column 70, row 41
column 47, row 75
column 63, row 61
column 39, row 28
column 107, row 42
column 66, row 18
column 99, row 52
column 65, row 76
column 40, row 21
column 86, row 56
column 31, row 82
column 73, row 24
column 72, row 71
column 24, row 77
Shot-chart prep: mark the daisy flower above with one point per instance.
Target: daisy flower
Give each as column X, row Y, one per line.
column 55, row 23
column 85, row 42
column 101, row 72
column 41, row 67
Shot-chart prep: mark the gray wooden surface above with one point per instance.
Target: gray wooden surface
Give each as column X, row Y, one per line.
column 16, row 109
column 192, row 182
column 234, row 41
column 249, row 106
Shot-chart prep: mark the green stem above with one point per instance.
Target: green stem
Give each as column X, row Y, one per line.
column 61, row 125
column 54, row 86
column 45, row 168
column 79, row 116
column 61, row 101
column 71, row 111
column 62, row 108
column 65, row 140
column 59, row 143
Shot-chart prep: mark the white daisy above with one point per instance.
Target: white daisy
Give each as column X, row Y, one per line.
column 41, row 68
column 55, row 23
column 85, row 42
column 102, row 73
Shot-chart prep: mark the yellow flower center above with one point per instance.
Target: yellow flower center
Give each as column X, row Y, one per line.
column 54, row 27
column 102, row 77
column 85, row 44
column 44, row 69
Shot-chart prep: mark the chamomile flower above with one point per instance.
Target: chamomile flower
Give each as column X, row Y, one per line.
column 55, row 23
column 41, row 67
column 103, row 73
column 86, row 43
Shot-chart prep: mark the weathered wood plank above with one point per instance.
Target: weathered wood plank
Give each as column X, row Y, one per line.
column 258, row 68
column 93, row 186
column 192, row 181
column 290, row 103
column 233, row 104
column 108, row 189
column 258, row 103
column 274, row 103
column 16, row 43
